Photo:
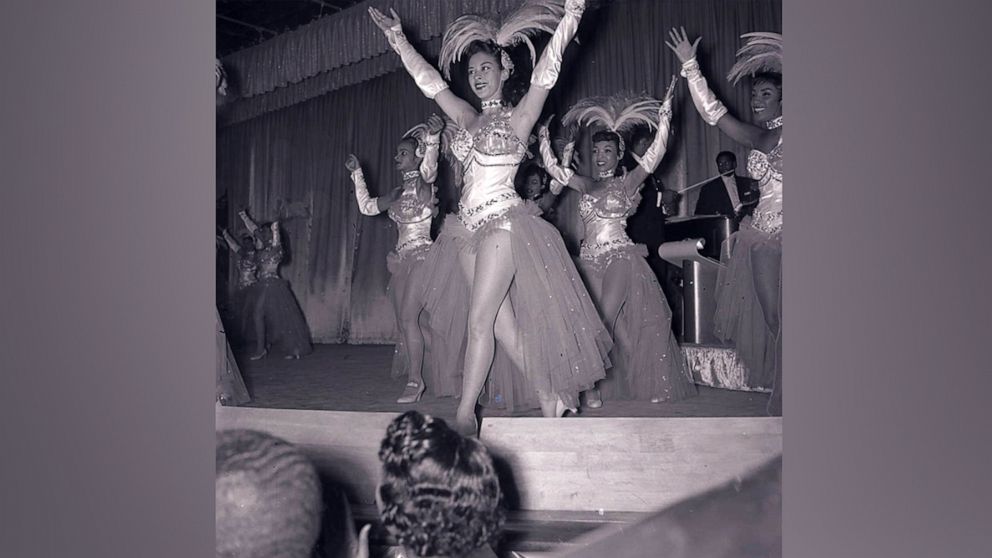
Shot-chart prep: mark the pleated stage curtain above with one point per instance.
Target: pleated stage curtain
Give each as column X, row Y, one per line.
column 286, row 161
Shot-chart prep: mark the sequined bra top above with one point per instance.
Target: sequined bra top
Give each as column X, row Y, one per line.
column 605, row 218
column 269, row 260
column 247, row 269
column 767, row 170
column 412, row 216
column 490, row 159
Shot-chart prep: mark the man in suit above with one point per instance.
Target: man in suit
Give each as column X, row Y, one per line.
column 729, row 194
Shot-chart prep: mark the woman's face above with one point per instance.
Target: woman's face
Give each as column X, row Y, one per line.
column 605, row 156
column 485, row 76
column 766, row 101
column 406, row 156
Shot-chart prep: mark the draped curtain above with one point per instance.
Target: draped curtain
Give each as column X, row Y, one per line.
column 281, row 147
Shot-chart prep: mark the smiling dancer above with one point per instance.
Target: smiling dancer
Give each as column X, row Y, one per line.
column 412, row 206
column 749, row 292
column 647, row 361
column 526, row 291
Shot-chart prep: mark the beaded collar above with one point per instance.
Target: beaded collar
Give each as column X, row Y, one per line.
column 492, row 104
column 410, row 175
column 774, row 123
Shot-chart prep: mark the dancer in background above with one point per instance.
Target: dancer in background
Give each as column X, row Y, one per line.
column 521, row 275
column 276, row 316
column 412, row 206
column 247, row 289
column 647, row 361
column 749, row 292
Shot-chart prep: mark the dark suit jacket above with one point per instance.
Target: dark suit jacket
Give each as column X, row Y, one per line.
column 713, row 198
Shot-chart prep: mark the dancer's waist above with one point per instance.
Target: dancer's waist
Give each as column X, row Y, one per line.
column 475, row 214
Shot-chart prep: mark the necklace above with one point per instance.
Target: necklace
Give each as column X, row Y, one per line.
column 774, row 123
column 410, row 175
column 492, row 104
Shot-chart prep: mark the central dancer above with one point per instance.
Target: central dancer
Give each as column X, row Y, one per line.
column 526, row 292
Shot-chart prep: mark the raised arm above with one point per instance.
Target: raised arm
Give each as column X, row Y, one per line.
column 276, row 239
column 705, row 101
column 426, row 76
column 432, row 149
column 367, row 205
column 251, row 226
column 546, row 71
column 231, row 243
column 648, row 163
column 561, row 176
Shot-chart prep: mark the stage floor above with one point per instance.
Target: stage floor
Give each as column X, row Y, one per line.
column 356, row 378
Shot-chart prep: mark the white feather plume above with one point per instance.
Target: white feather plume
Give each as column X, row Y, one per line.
column 762, row 52
column 531, row 18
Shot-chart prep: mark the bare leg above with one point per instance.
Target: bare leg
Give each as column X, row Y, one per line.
column 491, row 283
column 410, row 308
column 767, row 267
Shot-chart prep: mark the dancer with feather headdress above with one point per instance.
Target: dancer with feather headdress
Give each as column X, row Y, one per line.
column 526, row 292
column 647, row 361
column 412, row 206
column 749, row 292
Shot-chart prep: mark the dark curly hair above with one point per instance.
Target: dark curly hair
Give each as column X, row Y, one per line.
column 439, row 494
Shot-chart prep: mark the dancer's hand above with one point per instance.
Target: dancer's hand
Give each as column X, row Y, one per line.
column 352, row 163
column 275, row 226
column 435, row 124
column 383, row 21
column 575, row 5
column 680, row 45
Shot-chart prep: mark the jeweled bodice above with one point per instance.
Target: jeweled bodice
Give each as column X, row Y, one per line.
column 412, row 216
column 490, row 158
column 269, row 260
column 247, row 269
column 605, row 217
column 767, row 170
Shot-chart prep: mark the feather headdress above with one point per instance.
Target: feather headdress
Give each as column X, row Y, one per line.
column 420, row 132
column 762, row 52
column 531, row 18
column 619, row 113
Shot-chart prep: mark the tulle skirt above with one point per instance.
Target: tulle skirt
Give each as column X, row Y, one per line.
column 244, row 307
column 412, row 275
column 285, row 327
column 564, row 344
column 447, row 300
column 754, row 264
column 647, row 362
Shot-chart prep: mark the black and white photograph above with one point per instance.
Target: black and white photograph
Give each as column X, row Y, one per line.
column 499, row 278
column 495, row 279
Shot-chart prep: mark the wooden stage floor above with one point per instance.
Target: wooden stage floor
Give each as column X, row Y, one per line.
column 356, row 378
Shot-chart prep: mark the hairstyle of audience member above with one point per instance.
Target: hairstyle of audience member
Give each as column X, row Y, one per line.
column 268, row 497
column 439, row 494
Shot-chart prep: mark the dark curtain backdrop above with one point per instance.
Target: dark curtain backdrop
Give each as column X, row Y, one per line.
column 288, row 164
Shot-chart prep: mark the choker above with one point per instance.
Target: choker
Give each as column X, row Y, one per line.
column 774, row 123
column 410, row 175
column 492, row 104
column 607, row 174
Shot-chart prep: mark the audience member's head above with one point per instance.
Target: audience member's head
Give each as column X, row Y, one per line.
column 439, row 494
column 726, row 163
column 533, row 182
column 268, row 497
